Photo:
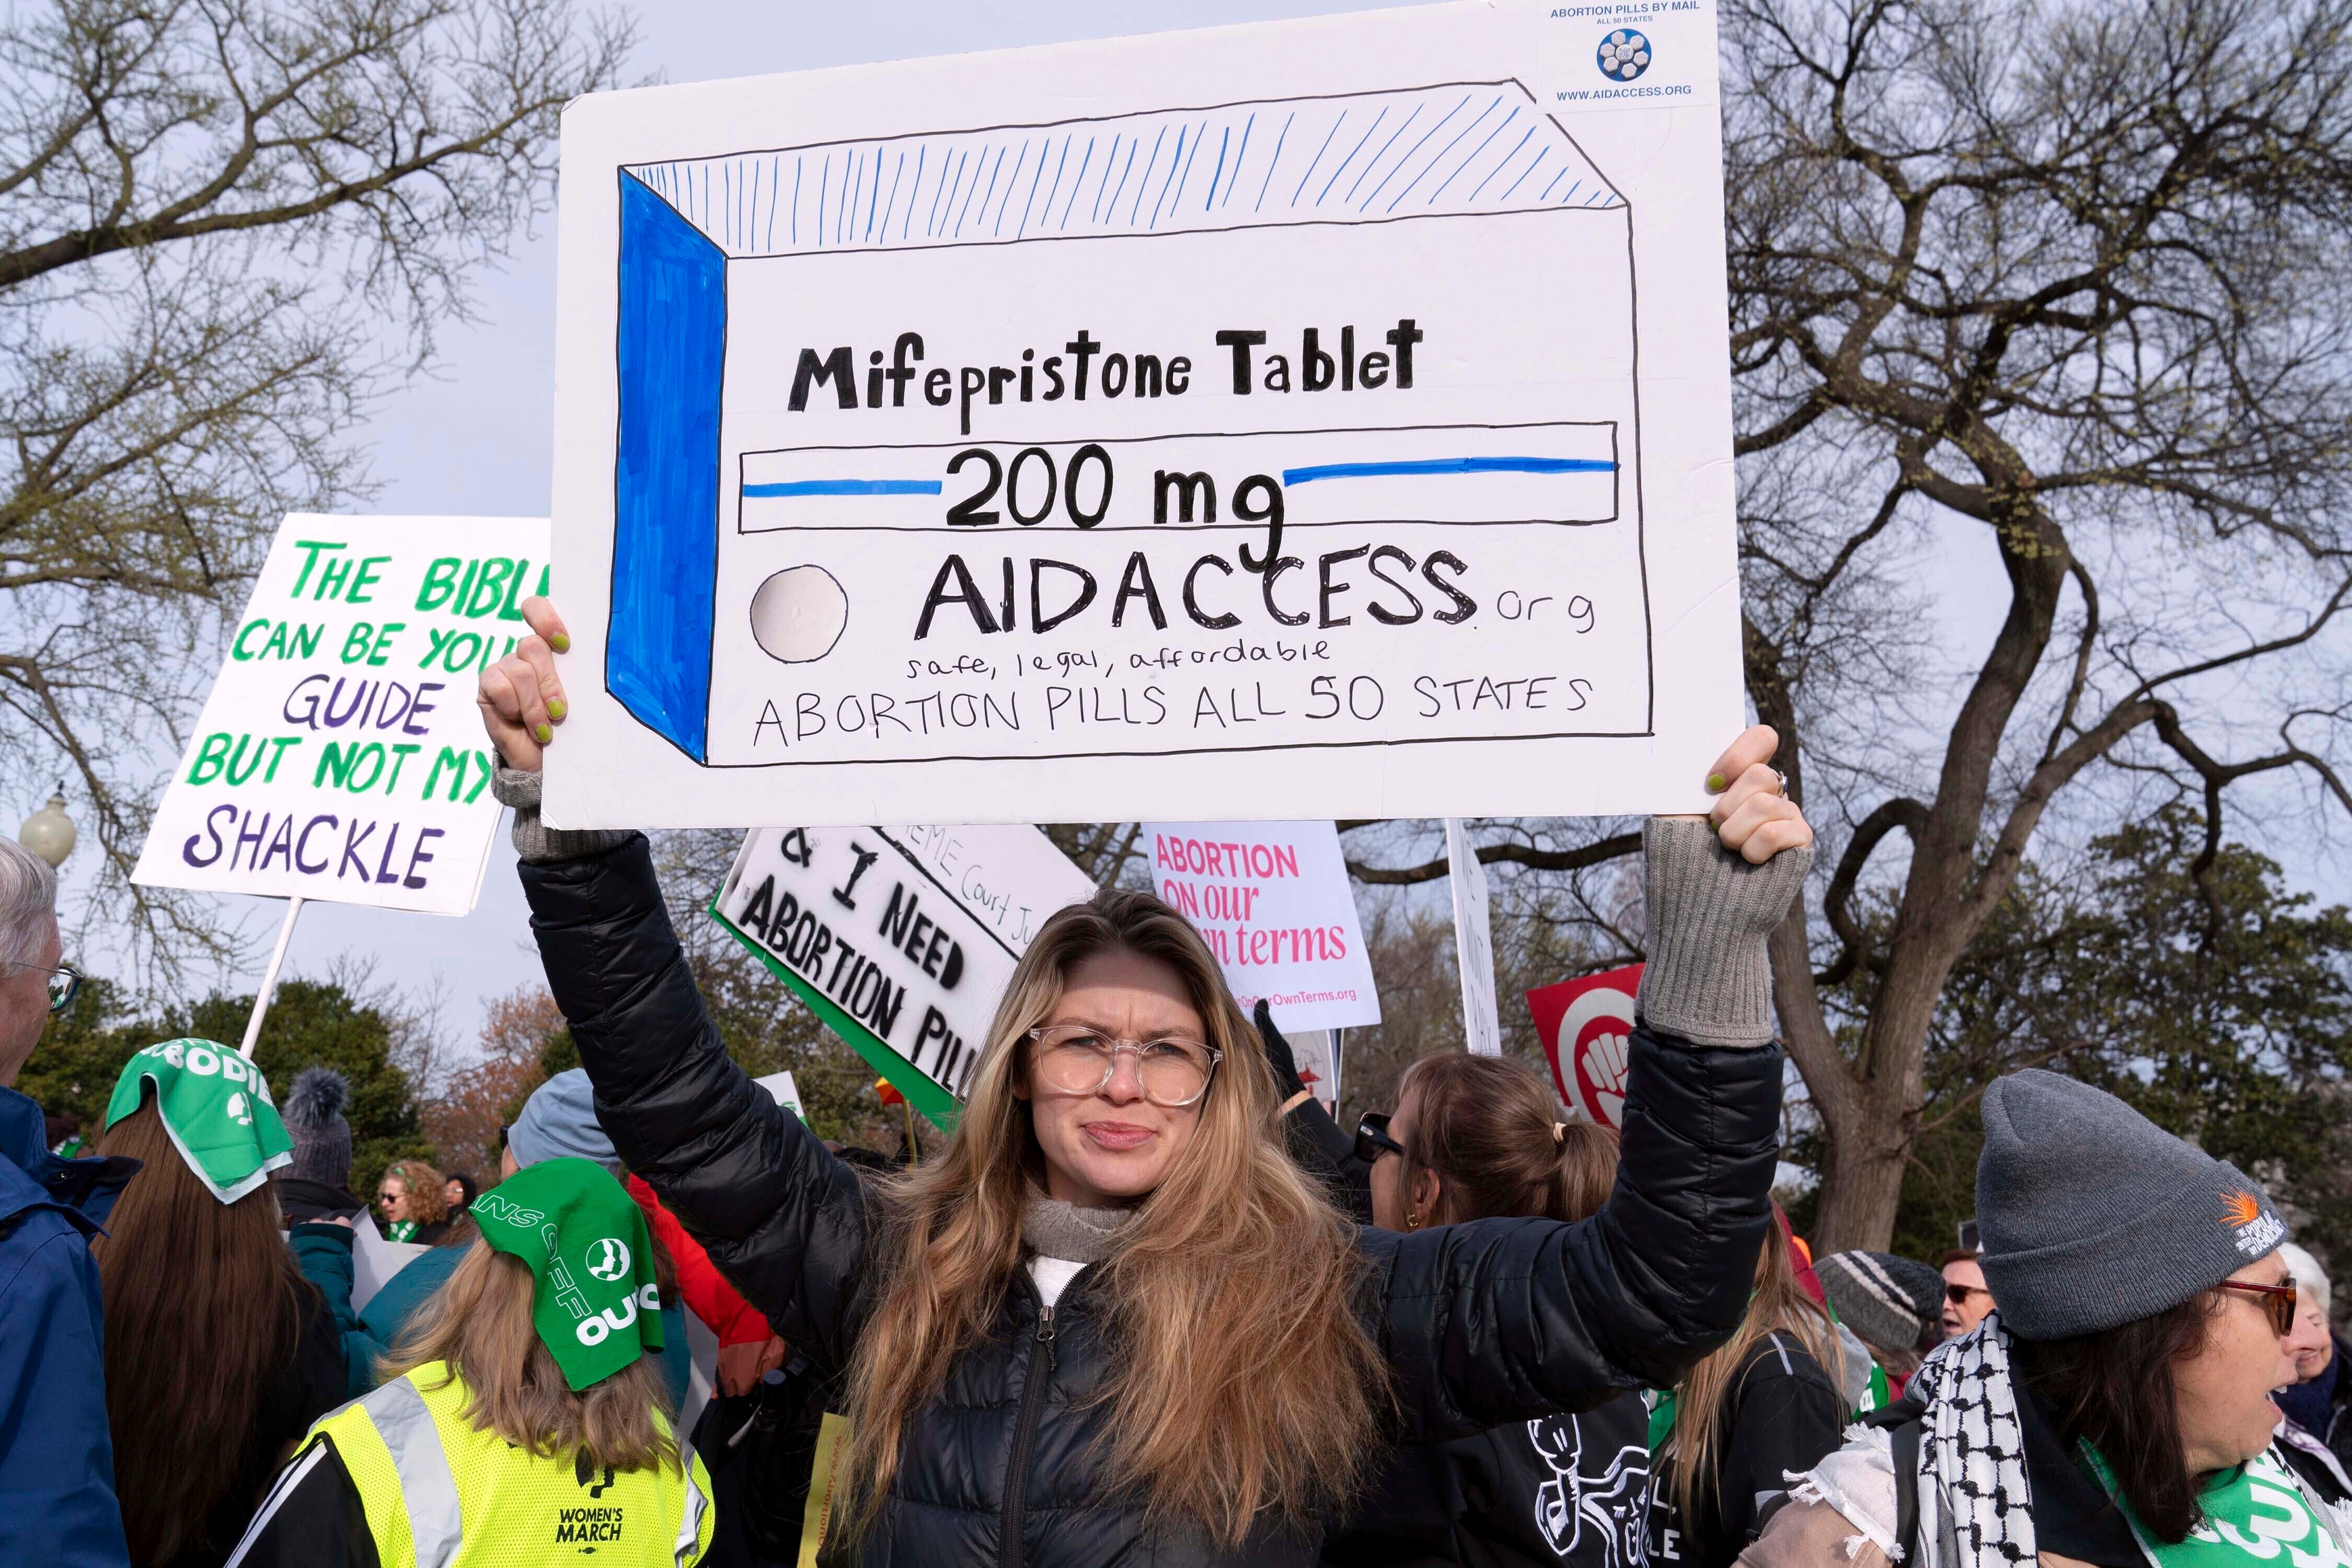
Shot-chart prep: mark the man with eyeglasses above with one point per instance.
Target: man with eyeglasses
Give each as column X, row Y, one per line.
column 1966, row 1299
column 57, row 1459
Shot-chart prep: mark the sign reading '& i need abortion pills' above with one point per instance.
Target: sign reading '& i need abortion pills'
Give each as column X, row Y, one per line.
column 339, row 755
column 1309, row 420
column 900, row 940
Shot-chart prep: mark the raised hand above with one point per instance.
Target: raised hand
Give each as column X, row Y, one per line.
column 1753, row 814
column 520, row 697
column 1278, row 1057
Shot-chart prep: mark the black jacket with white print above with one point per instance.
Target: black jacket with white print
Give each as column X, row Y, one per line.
column 1784, row 1415
column 1563, row 1488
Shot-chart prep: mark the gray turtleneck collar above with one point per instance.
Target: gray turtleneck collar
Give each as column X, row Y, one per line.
column 1053, row 1228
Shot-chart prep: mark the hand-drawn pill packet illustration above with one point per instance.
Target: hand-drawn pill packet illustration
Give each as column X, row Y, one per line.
column 1301, row 431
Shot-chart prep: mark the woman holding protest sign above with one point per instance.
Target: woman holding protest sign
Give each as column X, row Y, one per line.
column 217, row 1352
column 519, row 1422
column 1115, row 1320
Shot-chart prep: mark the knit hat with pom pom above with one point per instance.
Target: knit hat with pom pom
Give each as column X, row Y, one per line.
column 313, row 1113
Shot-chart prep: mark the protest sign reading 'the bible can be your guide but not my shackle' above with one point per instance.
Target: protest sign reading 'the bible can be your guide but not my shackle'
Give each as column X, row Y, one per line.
column 1320, row 419
column 340, row 757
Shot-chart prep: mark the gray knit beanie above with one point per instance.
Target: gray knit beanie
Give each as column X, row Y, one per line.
column 2093, row 1216
column 313, row 1114
column 559, row 1120
column 1889, row 1301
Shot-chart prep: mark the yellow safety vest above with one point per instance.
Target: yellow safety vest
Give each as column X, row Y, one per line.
column 441, row 1493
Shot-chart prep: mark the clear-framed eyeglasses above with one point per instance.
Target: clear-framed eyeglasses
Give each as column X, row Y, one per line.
column 64, row 981
column 1076, row 1059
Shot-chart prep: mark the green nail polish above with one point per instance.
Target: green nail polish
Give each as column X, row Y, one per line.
column 557, row 708
column 561, row 642
column 1716, row 783
column 545, row 732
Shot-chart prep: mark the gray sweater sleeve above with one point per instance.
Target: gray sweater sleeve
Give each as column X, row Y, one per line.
column 533, row 839
column 1708, row 979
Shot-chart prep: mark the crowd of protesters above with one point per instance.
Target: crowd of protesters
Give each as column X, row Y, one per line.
column 1152, row 1304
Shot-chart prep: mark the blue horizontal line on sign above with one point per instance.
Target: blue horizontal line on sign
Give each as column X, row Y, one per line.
column 842, row 487
column 1448, row 466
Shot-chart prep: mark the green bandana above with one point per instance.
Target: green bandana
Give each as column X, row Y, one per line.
column 2250, row 1512
column 217, row 1108
column 1663, row 1403
column 594, row 1302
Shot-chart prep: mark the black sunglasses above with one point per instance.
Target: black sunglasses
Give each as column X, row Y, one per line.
column 1373, row 1139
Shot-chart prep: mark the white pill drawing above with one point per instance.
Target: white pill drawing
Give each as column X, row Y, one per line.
column 798, row 614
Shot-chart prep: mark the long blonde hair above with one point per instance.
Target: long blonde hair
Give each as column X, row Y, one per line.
column 1779, row 1306
column 1244, row 1383
column 478, row 1326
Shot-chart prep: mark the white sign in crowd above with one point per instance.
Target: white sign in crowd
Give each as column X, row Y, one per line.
column 339, row 755
column 1164, row 427
column 1272, row 902
column 900, row 939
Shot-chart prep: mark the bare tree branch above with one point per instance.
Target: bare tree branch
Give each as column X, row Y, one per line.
column 1606, row 849
column 218, row 221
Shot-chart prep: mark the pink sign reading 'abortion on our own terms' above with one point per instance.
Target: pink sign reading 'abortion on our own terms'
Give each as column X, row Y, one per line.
column 1272, row 900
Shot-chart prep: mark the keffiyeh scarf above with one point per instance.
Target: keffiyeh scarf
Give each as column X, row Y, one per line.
column 1976, row 1509
column 1975, row 1504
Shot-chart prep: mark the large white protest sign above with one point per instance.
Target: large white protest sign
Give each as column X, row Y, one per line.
column 900, row 939
column 339, row 755
column 1315, row 418
column 1272, row 900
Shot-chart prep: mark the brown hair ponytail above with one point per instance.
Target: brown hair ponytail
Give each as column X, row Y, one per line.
column 1490, row 1129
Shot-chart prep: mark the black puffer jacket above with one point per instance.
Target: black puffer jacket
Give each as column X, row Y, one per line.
column 1504, row 1319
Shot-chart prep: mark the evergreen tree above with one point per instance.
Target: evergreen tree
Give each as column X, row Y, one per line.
column 73, row 1071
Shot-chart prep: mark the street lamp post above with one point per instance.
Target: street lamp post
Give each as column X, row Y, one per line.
column 49, row 831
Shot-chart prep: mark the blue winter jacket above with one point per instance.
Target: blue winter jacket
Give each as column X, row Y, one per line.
column 57, row 1459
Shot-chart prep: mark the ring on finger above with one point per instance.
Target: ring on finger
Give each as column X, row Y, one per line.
column 1784, row 782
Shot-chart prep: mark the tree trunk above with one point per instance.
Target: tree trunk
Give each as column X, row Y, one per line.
column 1861, row 1179
column 1869, row 1105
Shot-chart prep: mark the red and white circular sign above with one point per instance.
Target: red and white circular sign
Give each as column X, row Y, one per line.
column 1586, row 1027
column 1593, row 1035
